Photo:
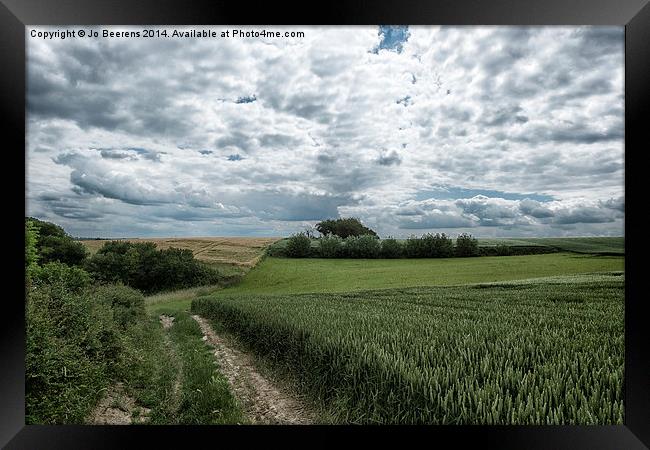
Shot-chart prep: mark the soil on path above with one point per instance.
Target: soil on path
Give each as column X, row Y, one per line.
column 262, row 400
column 118, row 408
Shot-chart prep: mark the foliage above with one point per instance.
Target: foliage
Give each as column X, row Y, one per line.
column 466, row 245
column 330, row 246
column 429, row 246
column 127, row 303
column 298, row 246
column 74, row 279
column 365, row 246
column 54, row 244
column 71, row 349
column 142, row 266
column 344, row 227
column 503, row 250
column 391, row 248
column 534, row 352
column 31, row 251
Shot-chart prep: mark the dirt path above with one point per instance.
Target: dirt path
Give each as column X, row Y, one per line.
column 263, row 402
column 118, row 408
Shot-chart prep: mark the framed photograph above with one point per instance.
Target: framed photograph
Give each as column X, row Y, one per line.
column 386, row 219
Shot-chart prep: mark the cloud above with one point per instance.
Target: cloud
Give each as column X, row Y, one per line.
column 389, row 159
column 515, row 130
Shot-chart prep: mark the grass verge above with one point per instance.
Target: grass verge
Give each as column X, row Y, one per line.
column 173, row 373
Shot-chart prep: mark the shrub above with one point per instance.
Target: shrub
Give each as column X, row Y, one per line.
column 344, row 227
column 466, row 245
column 278, row 248
column 72, row 346
column 141, row 266
column 54, row 244
column 502, row 250
column 31, row 239
column 298, row 246
column 429, row 246
column 127, row 303
column 366, row 246
column 73, row 279
column 443, row 246
column 330, row 246
column 391, row 248
column 413, row 247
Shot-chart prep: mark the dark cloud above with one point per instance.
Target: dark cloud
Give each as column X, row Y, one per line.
column 113, row 154
column 535, row 209
column 584, row 214
column 389, row 159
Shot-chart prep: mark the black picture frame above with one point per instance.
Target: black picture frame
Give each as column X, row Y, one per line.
column 633, row 14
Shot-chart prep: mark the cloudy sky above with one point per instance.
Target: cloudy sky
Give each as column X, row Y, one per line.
column 496, row 131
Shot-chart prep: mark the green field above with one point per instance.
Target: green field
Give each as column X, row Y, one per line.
column 594, row 245
column 544, row 351
column 291, row 276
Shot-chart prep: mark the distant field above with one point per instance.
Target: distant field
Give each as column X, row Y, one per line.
column 595, row 245
column 287, row 275
column 243, row 252
column 543, row 351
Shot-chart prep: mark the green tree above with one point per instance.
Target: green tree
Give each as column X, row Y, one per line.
column 54, row 244
column 344, row 227
column 466, row 245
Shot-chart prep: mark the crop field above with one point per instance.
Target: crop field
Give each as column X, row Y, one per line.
column 238, row 251
column 290, row 275
column 595, row 245
column 540, row 351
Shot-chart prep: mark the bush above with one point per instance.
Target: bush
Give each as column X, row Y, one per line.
column 127, row 303
column 391, row 248
column 330, row 246
column 414, row 247
column 141, row 266
column 502, row 250
column 344, row 228
column 73, row 279
column 72, row 346
column 31, row 239
column 429, row 246
column 466, row 245
column 54, row 244
column 298, row 246
column 366, row 246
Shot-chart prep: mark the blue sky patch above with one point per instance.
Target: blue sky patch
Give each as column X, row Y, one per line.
column 392, row 37
column 246, row 99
